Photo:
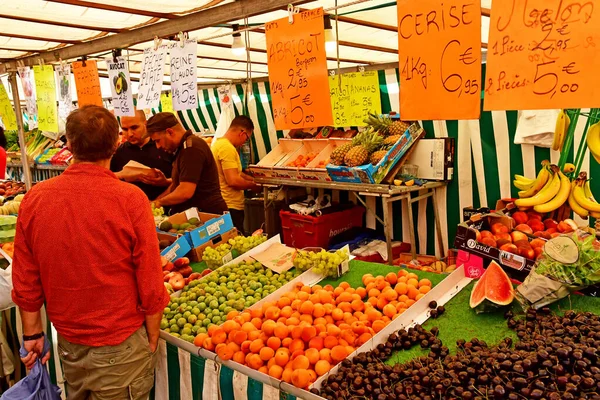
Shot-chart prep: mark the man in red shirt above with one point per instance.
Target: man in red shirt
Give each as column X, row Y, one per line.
column 86, row 247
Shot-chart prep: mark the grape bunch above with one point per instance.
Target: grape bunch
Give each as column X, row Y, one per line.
column 322, row 262
column 242, row 244
column 158, row 212
column 213, row 256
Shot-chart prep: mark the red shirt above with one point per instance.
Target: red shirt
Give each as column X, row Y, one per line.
column 86, row 245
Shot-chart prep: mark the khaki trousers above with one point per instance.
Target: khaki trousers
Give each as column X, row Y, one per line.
column 122, row 372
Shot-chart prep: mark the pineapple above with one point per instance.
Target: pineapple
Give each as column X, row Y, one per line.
column 379, row 124
column 377, row 156
column 391, row 140
column 397, row 128
column 364, row 143
column 338, row 154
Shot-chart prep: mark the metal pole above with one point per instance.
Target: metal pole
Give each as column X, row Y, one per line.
column 12, row 77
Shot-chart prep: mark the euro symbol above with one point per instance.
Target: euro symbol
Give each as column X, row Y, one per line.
column 307, row 100
column 569, row 68
column 467, row 57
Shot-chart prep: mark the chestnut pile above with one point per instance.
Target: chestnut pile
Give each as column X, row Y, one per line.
column 555, row 357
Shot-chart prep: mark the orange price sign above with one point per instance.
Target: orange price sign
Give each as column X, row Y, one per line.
column 440, row 59
column 543, row 54
column 298, row 71
column 87, row 83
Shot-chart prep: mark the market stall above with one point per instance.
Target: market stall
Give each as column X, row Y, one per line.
column 301, row 331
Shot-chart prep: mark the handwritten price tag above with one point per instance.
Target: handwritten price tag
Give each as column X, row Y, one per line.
column 356, row 97
column 440, row 59
column 543, row 54
column 184, row 84
column 166, row 102
column 45, row 85
column 120, row 86
column 27, row 83
column 151, row 77
column 7, row 114
column 87, row 83
column 298, row 71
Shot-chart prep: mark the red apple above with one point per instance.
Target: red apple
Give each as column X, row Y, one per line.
column 168, row 276
column 522, row 243
column 536, row 225
column 484, row 234
column 538, row 251
column 524, row 228
column 518, row 235
column 502, row 242
column 527, row 253
column 533, row 214
column 505, row 236
column 550, row 223
column 563, row 227
column 206, row 272
column 163, row 261
column 177, row 282
column 537, row 243
column 194, row 276
column 489, row 242
column 511, row 248
column 169, row 267
column 499, row 228
column 542, row 234
column 550, row 231
column 186, row 271
column 520, row 217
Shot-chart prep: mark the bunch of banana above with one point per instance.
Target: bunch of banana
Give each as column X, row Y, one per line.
column 560, row 132
column 583, row 202
column 529, row 187
column 553, row 194
column 593, row 140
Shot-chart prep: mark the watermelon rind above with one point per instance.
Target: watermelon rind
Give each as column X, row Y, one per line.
column 494, row 289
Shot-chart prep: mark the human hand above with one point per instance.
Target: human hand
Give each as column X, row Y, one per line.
column 155, row 178
column 130, row 175
column 35, row 350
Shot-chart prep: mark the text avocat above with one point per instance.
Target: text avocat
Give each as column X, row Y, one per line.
column 437, row 20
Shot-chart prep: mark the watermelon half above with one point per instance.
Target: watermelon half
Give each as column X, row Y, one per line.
column 493, row 290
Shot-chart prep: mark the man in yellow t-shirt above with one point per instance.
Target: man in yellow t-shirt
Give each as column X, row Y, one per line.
column 232, row 180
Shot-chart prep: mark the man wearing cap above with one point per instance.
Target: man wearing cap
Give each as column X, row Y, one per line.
column 141, row 149
column 195, row 178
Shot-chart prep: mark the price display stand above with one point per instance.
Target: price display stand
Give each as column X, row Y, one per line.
column 22, row 142
column 389, row 194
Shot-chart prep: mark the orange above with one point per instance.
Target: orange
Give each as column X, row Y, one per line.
column 322, row 367
column 276, row 371
column 266, row 353
column 274, row 342
column 300, row 378
column 312, row 355
column 282, row 357
column 392, row 278
column 339, row 353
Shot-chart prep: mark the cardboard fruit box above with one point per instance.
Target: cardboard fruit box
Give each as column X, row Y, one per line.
column 516, row 266
column 286, row 170
column 211, row 226
column 376, row 173
column 313, row 171
column 278, row 157
column 179, row 247
column 196, row 254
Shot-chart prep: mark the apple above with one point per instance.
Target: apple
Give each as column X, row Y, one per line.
column 536, row 225
column 489, row 242
column 533, row 214
column 186, row 271
column 518, row 235
column 537, row 243
column 206, row 272
column 499, row 228
column 522, row 243
column 163, row 261
column 511, row 248
column 484, row 234
column 542, row 234
column 538, row 251
column 169, row 267
column 549, row 223
column 502, row 242
column 555, row 234
column 524, row 228
column 168, row 276
column 194, row 276
column 550, row 231
column 520, row 217
column 177, row 282
column 564, row 227
column 182, row 262
column 527, row 253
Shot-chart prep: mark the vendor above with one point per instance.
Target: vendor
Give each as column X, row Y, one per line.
column 233, row 181
column 195, row 175
column 140, row 148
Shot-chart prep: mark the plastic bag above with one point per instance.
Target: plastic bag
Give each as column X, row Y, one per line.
column 36, row 385
column 227, row 114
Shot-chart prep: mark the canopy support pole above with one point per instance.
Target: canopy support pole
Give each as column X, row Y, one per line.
column 12, row 77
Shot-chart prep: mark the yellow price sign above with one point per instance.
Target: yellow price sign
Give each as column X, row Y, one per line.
column 354, row 98
column 7, row 113
column 45, row 86
column 166, row 102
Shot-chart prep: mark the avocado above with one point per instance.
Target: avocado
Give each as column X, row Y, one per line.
column 181, row 232
column 176, row 227
column 163, row 244
column 184, row 226
column 119, row 85
column 165, row 226
column 194, row 221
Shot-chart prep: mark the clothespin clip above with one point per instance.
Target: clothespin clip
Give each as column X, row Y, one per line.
column 116, row 53
column 182, row 38
column 83, row 60
column 157, row 42
column 291, row 11
column 41, row 62
column 361, row 69
column 332, row 72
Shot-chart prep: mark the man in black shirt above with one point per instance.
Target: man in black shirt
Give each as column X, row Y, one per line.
column 195, row 175
column 140, row 148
